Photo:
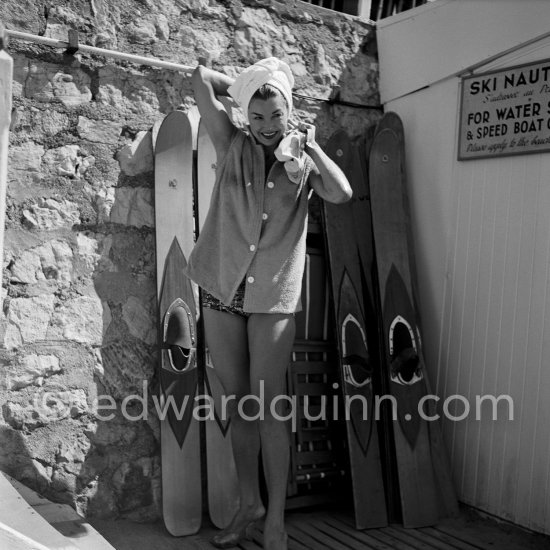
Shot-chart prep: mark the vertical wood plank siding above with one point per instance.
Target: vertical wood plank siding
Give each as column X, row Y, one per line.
column 482, row 236
column 497, row 309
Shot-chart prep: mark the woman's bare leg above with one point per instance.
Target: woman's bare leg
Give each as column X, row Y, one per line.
column 227, row 340
column 270, row 340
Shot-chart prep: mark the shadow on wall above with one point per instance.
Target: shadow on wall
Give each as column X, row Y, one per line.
column 354, row 102
column 16, row 461
column 125, row 448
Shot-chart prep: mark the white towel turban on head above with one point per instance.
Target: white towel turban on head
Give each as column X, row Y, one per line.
column 271, row 71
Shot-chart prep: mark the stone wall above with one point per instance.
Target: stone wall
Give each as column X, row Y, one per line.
column 79, row 288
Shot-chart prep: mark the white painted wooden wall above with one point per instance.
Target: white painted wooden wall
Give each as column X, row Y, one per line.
column 482, row 236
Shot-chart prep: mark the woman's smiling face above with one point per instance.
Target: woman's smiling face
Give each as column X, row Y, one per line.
column 268, row 119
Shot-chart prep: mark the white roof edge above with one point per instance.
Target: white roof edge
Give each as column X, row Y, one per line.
column 410, row 13
column 445, row 38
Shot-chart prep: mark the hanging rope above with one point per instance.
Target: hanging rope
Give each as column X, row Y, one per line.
column 72, row 46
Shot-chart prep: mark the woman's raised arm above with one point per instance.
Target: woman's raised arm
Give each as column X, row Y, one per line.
column 208, row 85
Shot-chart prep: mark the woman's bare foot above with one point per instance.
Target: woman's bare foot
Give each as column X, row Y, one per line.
column 239, row 527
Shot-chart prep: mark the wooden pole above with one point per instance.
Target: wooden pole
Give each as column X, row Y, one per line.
column 6, row 76
column 83, row 48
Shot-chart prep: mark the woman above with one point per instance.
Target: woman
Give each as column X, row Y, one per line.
column 249, row 261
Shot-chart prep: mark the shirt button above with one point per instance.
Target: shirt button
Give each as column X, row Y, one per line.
column 252, row 248
column 264, row 216
column 250, row 279
column 270, row 184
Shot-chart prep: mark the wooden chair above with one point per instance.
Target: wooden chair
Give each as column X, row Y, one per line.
column 318, row 455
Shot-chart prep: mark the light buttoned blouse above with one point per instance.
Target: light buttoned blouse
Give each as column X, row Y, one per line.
column 255, row 230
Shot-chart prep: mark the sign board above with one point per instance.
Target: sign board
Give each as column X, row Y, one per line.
column 505, row 112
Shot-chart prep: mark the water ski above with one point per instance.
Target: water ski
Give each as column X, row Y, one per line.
column 178, row 374
column 424, row 478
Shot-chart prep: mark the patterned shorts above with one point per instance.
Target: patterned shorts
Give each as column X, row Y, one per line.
column 235, row 307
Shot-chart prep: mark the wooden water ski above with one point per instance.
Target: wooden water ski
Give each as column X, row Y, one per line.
column 350, row 261
column 6, row 77
column 425, row 484
column 223, row 493
column 206, row 169
column 180, row 434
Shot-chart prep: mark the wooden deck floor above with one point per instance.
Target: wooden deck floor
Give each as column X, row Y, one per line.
column 327, row 530
column 320, row 528
column 336, row 532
